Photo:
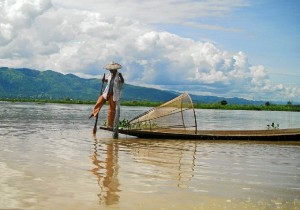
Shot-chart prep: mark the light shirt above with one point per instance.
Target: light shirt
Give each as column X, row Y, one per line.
column 116, row 84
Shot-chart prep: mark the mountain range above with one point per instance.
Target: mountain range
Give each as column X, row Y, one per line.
column 34, row 84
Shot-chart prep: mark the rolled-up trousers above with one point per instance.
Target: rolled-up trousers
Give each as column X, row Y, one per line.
column 111, row 109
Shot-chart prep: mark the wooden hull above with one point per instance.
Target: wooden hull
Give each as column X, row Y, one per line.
column 255, row 135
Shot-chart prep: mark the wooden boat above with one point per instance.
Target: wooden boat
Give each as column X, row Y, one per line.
column 176, row 119
column 256, row 135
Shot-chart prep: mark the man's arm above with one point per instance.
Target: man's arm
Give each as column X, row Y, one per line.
column 103, row 79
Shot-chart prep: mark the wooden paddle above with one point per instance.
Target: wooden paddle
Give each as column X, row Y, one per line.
column 101, row 91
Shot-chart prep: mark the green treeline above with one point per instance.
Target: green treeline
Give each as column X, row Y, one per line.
column 271, row 107
column 265, row 107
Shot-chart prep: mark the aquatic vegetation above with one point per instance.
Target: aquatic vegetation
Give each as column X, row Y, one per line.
column 124, row 123
column 147, row 125
column 273, row 126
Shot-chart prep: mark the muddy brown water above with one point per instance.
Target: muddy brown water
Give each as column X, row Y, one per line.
column 49, row 159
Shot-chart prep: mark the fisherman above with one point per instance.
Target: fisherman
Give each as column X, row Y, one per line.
column 111, row 93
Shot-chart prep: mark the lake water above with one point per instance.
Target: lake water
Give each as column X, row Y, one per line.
column 49, row 159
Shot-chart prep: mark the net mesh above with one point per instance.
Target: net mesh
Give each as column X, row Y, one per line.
column 175, row 114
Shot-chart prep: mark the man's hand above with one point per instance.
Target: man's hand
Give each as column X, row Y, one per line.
column 121, row 77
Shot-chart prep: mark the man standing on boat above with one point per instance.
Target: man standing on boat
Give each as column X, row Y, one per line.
column 111, row 93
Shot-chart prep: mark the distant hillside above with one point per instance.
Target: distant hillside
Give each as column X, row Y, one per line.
column 28, row 83
column 214, row 99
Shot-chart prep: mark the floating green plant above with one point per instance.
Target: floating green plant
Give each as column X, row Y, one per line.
column 273, row 126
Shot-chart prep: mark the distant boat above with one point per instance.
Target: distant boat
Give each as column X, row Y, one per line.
column 176, row 119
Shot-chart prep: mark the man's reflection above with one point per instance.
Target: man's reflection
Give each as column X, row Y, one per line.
column 105, row 160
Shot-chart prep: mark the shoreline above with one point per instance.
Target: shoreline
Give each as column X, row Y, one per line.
column 271, row 107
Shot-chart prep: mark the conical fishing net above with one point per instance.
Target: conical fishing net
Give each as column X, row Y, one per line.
column 176, row 114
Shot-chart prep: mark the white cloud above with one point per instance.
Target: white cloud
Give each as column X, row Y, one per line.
column 16, row 15
column 62, row 36
column 258, row 75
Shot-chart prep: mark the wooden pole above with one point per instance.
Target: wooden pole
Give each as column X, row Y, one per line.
column 117, row 117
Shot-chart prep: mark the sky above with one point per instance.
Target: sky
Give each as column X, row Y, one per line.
column 229, row 48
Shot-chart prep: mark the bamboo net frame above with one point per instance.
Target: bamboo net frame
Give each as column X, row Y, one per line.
column 177, row 113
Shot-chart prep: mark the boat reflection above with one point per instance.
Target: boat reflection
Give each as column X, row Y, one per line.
column 105, row 160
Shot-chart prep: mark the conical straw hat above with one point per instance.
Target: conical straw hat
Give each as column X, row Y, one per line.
column 113, row 66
